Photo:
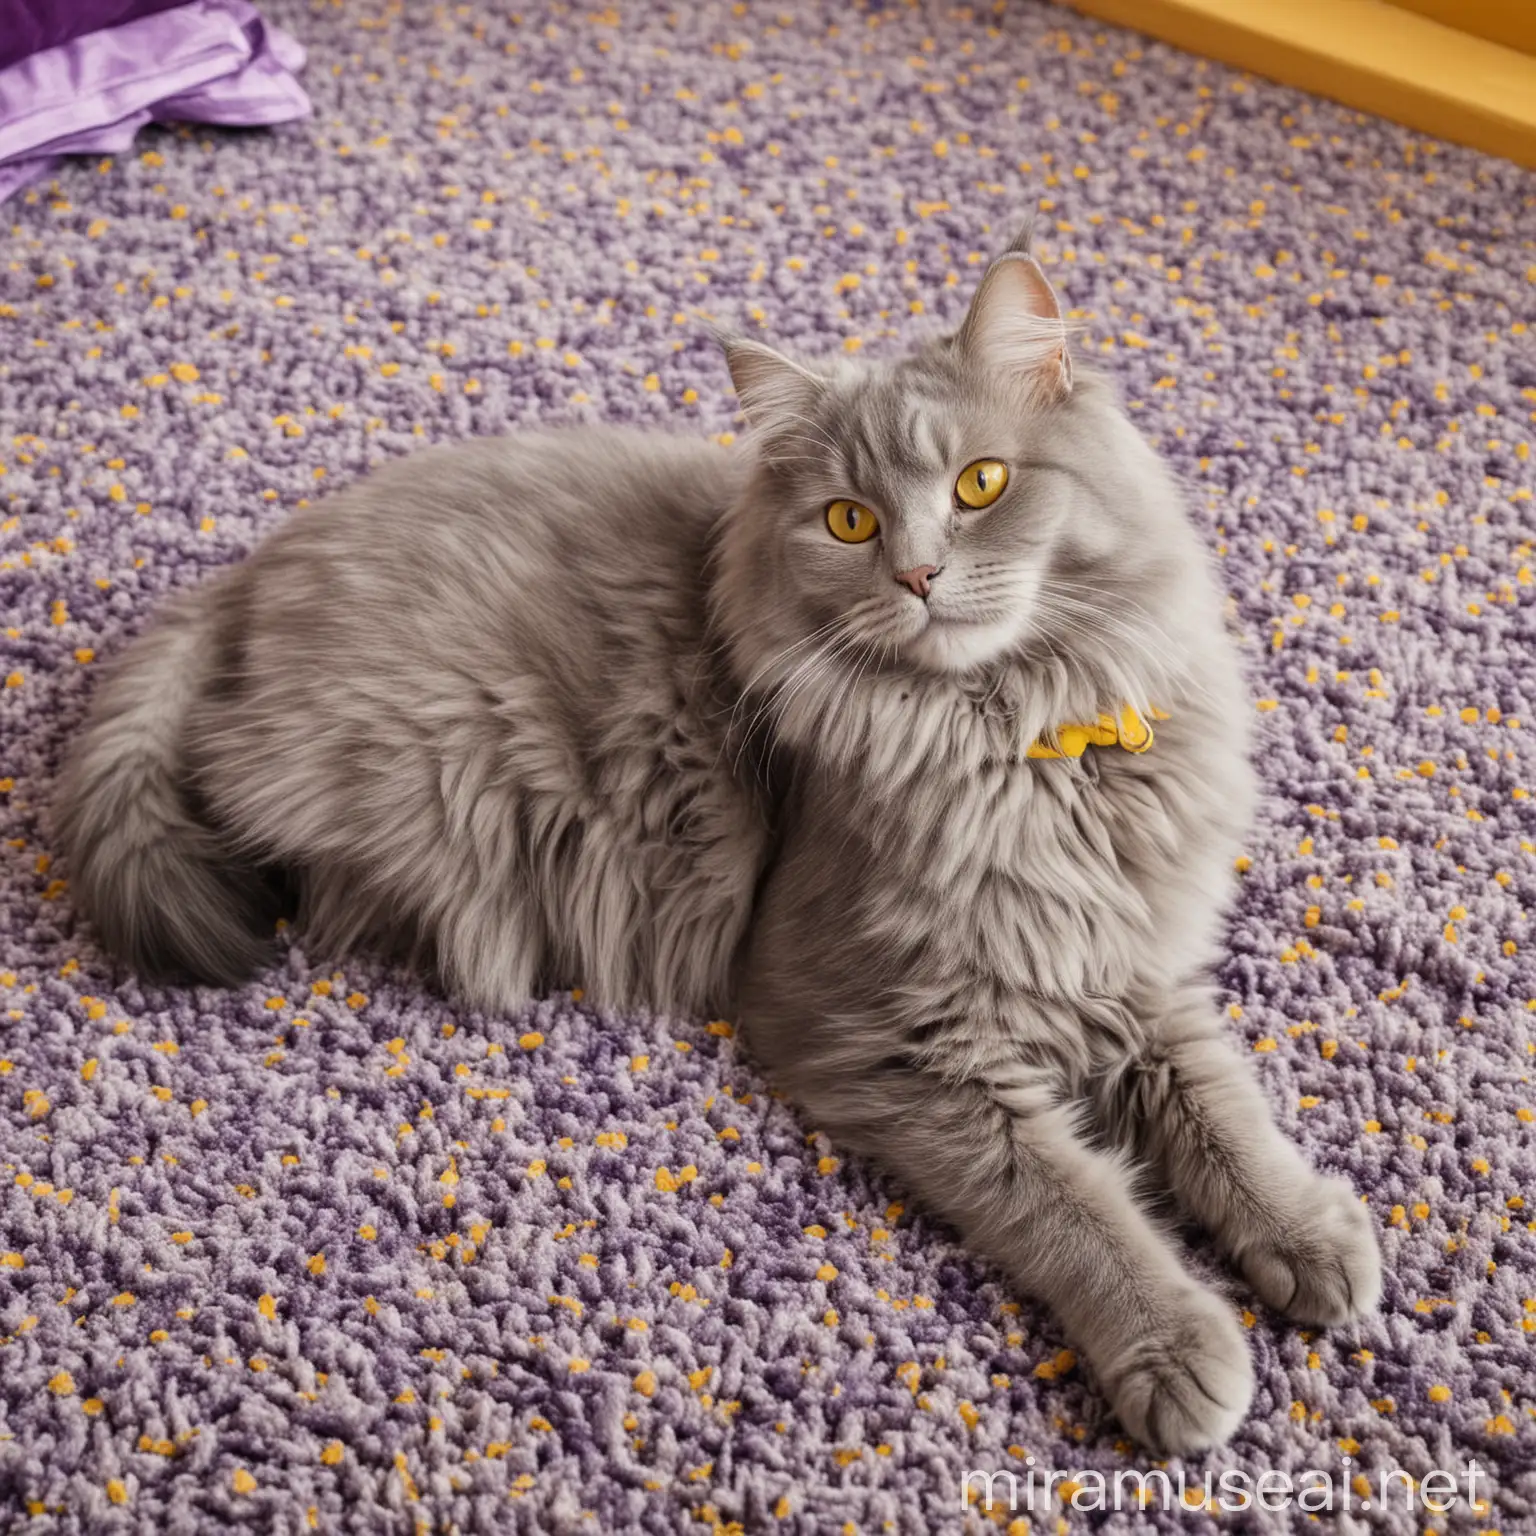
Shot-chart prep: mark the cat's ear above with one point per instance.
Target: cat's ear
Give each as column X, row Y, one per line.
column 1015, row 325
column 772, row 388
column 1022, row 241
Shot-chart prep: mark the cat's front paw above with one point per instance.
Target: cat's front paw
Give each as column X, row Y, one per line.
column 1185, row 1384
column 1323, row 1265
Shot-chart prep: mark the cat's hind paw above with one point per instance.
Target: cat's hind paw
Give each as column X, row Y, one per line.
column 1325, row 1266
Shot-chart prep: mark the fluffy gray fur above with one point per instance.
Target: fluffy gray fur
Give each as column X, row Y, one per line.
column 621, row 710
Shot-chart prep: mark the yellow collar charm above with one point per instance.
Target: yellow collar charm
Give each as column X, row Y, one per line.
column 1129, row 732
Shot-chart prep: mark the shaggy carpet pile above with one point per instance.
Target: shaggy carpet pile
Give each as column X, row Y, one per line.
column 330, row 1253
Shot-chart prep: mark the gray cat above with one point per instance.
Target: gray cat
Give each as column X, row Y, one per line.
column 911, row 738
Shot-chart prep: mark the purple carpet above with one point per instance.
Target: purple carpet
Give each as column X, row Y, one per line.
column 330, row 1253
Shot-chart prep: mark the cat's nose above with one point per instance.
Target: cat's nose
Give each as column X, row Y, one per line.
column 919, row 578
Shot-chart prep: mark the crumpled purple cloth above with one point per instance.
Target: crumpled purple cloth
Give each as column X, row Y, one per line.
column 205, row 61
column 29, row 26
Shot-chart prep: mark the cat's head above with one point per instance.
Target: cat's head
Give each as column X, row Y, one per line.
column 968, row 508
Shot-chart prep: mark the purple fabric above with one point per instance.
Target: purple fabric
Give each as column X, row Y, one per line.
column 29, row 26
column 210, row 61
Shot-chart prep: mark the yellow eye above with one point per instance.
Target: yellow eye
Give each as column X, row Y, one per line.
column 981, row 483
column 852, row 523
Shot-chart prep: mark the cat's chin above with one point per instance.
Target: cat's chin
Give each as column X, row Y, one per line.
column 959, row 645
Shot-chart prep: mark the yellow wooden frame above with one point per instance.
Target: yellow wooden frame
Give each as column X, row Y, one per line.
column 1509, row 22
column 1370, row 54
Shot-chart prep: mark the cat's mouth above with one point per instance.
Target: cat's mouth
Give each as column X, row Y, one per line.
column 960, row 615
column 963, row 619
column 959, row 640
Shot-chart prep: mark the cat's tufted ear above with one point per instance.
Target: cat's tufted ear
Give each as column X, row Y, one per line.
column 772, row 388
column 1022, row 241
column 1015, row 325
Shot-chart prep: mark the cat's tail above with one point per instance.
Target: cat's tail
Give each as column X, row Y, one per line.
column 160, row 887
